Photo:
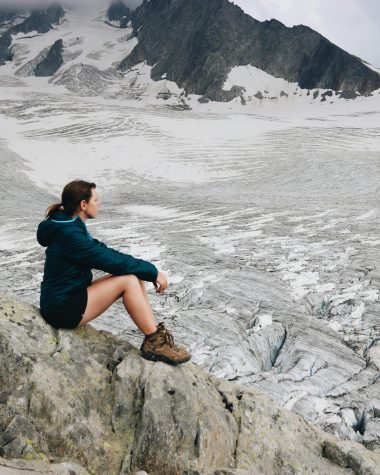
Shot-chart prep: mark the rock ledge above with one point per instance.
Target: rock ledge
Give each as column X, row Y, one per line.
column 85, row 398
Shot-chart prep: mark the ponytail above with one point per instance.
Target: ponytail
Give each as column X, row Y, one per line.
column 72, row 195
column 52, row 208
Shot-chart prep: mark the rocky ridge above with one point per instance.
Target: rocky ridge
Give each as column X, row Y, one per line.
column 40, row 21
column 120, row 13
column 87, row 396
column 181, row 52
column 196, row 43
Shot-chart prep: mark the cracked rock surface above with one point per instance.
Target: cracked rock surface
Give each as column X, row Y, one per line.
column 87, row 397
column 27, row 467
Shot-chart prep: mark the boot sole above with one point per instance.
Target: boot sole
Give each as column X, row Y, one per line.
column 165, row 359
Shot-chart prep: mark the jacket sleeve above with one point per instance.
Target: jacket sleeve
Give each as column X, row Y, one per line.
column 79, row 248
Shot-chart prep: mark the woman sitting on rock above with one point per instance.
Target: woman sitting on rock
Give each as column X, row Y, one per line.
column 69, row 297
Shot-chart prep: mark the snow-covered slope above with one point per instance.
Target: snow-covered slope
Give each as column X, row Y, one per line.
column 87, row 39
column 92, row 50
column 89, row 49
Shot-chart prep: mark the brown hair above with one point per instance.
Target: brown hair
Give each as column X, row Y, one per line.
column 73, row 193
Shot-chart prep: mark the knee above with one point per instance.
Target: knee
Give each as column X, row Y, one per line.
column 130, row 280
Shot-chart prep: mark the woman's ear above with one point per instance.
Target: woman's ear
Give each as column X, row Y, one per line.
column 83, row 205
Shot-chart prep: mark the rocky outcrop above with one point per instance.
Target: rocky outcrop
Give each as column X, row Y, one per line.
column 52, row 62
column 87, row 396
column 196, row 43
column 119, row 12
column 46, row 63
column 5, row 53
column 7, row 15
column 40, row 21
column 38, row 467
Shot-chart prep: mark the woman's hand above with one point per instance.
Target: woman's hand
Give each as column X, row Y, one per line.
column 161, row 283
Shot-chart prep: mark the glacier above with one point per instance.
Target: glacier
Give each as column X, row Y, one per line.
column 265, row 217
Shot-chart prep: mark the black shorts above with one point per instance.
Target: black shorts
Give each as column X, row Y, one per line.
column 70, row 313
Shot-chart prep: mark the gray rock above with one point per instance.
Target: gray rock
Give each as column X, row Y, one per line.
column 373, row 354
column 352, row 456
column 24, row 467
column 118, row 11
column 5, row 53
column 46, row 63
column 52, row 62
column 37, row 20
column 20, row 438
column 7, row 15
column 371, row 435
column 87, row 396
column 40, row 20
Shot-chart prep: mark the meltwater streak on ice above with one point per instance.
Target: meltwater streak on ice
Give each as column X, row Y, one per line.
column 254, row 219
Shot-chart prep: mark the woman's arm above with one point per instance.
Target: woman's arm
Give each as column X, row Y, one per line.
column 161, row 283
column 79, row 248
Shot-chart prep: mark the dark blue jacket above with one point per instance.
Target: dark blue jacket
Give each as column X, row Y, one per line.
column 71, row 254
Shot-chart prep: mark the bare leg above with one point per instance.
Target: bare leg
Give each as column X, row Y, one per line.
column 142, row 284
column 105, row 291
column 107, row 276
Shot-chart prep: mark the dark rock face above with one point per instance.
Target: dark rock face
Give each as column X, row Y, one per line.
column 52, row 62
column 196, row 43
column 5, row 53
column 7, row 15
column 39, row 20
column 119, row 12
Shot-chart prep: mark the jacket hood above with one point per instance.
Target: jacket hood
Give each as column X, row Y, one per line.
column 50, row 226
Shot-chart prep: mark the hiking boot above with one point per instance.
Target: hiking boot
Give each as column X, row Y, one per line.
column 159, row 346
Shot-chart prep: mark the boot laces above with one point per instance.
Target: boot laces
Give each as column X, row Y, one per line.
column 169, row 340
column 167, row 337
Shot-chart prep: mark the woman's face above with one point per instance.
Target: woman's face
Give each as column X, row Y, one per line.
column 92, row 207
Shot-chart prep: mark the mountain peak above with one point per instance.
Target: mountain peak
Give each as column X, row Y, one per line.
column 212, row 37
column 211, row 49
